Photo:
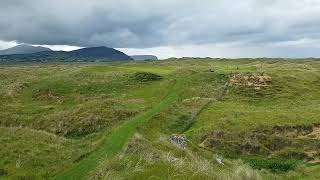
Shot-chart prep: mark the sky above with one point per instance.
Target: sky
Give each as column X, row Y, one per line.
column 167, row 28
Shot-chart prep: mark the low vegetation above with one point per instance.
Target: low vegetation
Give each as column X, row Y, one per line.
column 239, row 119
column 146, row 76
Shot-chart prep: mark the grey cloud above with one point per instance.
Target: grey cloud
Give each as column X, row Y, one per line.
column 145, row 23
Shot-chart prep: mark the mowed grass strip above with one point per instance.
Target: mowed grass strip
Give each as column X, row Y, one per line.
column 118, row 138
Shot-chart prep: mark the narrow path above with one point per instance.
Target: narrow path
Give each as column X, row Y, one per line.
column 118, row 138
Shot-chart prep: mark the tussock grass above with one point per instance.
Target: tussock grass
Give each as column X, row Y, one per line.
column 69, row 100
column 148, row 162
column 56, row 116
column 37, row 154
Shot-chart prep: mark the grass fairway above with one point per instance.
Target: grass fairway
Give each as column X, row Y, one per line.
column 235, row 119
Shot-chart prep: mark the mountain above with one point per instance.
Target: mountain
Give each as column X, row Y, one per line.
column 91, row 54
column 100, row 52
column 144, row 57
column 23, row 49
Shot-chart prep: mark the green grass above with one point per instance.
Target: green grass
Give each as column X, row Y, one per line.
column 69, row 101
column 94, row 120
column 275, row 165
column 118, row 138
column 292, row 97
column 33, row 154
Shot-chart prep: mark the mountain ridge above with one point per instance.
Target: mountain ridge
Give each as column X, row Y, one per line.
column 23, row 49
column 89, row 54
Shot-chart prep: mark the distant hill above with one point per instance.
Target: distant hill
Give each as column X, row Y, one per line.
column 144, row 57
column 81, row 55
column 23, row 49
column 100, row 52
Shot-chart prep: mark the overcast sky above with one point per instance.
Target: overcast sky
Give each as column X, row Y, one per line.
column 216, row 28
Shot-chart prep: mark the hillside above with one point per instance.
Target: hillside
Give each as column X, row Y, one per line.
column 99, row 52
column 91, row 54
column 172, row 119
column 23, row 49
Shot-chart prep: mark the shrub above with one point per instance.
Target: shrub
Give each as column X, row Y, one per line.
column 275, row 165
column 146, row 77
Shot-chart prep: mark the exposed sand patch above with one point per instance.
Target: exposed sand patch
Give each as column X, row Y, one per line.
column 256, row 81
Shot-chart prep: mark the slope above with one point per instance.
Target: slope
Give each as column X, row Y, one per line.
column 118, row 138
column 23, row 49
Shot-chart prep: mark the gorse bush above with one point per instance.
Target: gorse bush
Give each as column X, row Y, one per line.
column 146, row 76
column 274, row 165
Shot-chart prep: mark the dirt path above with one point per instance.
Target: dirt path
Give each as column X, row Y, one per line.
column 118, row 138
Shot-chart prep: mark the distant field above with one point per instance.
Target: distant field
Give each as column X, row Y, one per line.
column 242, row 119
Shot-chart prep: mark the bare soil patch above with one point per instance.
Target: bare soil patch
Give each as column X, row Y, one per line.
column 253, row 80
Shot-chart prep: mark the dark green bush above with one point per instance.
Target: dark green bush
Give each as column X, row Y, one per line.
column 274, row 165
column 146, row 77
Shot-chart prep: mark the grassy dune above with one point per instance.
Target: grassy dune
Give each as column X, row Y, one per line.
column 102, row 121
column 118, row 137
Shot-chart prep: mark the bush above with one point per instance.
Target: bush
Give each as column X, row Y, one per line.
column 146, row 76
column 275, row 165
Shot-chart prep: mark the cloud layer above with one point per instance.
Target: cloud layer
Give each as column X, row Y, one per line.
column 273, row 24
